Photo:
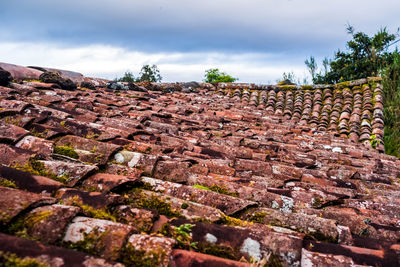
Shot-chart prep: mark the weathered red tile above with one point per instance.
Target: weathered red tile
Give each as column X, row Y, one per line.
column 51, row 255
column 40, row 146
column 184, row 258
column 154, row 249
column 104, row 182
column 14, row 201
column 29, row 182
column 106, row 237
column 10, row 133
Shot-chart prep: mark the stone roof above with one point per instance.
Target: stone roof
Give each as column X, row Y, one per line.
column 218, row 175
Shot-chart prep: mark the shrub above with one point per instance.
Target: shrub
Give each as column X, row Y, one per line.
column 215, row 76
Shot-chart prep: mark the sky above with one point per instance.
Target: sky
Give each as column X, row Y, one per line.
column 253, row 40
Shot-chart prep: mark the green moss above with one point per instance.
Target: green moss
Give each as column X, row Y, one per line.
column 133, row 257
column 226, row 252
column 91, row 135
column 99, row 158
column 217, row 188
column 223, row 190
column 22, row 224
column 184, row 206
column 342, row 84
column 227, row 220
column 91, row 243
column 12, row 260
column 35, row 167
column 307, row 87
column 288, row 87
column 43, row 134
column 66, row 151
column 146, row 186
column 31, row 80
column 257, row 217
column 156, row 203
column 201, row 187
column 7, row 183
column 90, row 211
column 11, row 120
column 317, row 202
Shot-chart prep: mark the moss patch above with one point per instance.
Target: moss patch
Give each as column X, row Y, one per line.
column 66, row 151
column 217, row 188
column 90, row 211
column 257, row 217
column 7, row 183
column 12, row 260
column 23, row 224
column 35, row 167
column 154, row 203
column 201, row 187
column 227, row 220
column 226, row 252
column 132, row 257
column 91, row 243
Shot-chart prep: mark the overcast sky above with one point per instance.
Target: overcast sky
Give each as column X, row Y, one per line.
column 254, row 40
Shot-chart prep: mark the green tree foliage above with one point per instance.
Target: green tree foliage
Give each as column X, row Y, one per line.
column 215, row 76
column 149, row 74
column 391, row 91
column 365, row 56
column 128, row 77
column 368, row 56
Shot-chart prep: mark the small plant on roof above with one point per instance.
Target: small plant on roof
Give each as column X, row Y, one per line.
column 183, row 235
column 374, row 141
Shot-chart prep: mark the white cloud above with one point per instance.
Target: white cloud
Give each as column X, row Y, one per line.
column 110, row 62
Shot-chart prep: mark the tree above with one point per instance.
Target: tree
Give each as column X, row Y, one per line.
column 312, row 66
column 150, row 74
column 365, row 56
column 391, row 111
column 215, row 76
column 128, row 77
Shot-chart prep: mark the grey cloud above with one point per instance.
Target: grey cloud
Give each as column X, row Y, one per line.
column 297, row 26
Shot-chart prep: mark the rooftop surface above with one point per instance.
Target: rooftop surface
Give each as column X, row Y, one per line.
column 194, row 174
